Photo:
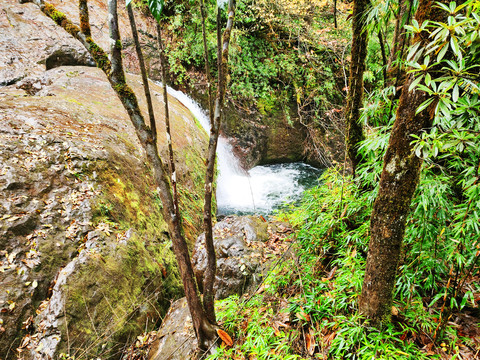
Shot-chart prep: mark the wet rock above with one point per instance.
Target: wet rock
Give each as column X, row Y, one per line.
column 66, row 55
column 238, row 260
column 175, row 338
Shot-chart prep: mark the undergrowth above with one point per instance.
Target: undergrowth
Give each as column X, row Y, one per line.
column 307, row 307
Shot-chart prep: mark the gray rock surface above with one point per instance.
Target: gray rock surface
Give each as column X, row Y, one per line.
column 238, row 259
column 176, row 338
column 65, row 55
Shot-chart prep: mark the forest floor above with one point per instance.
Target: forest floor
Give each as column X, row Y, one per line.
column 277, row 320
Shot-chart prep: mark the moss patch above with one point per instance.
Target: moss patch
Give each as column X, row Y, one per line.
column 128, row 281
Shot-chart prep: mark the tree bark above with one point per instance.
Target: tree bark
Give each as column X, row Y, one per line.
column 163, row 67
column 399, row 179
column 335, row 13
column 207, row 63
column 209, row 276
column 354, row 130
column 204, row 329
column 143, row 71
column 384, row 57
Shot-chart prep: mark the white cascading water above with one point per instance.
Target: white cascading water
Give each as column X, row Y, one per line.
column 259, row 190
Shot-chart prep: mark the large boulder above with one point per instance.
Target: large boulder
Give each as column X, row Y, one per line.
column 73, row 181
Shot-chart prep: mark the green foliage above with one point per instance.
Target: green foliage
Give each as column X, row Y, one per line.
column 156, row 8
column 267, row 70
column 441, row 251
column 253, row 325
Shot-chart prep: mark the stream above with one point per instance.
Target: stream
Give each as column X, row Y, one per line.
column 262, row 189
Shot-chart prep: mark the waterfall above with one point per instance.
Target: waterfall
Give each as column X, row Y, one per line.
column 259, row 190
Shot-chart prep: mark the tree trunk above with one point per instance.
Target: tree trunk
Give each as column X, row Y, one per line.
column 163, row 65
column 204, row 329
column 143, row 70
column 209, row 277
column 399, row 42
column 399, row 179
column 354, row 130
column 384, row 57
column 207, row 63
column 335, row 13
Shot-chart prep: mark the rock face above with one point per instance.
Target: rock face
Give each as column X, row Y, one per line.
column 238, row 257
column 85, row 259
column 176, row 338
column 242, row 245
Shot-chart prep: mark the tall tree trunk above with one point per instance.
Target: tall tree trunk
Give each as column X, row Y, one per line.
column 204, row 329
column 209, row 277
column 143, row 70
column 335, row 13
column 399, row 179
column 384, row 57
column 207, row 63
column 354, row 130
column 163, row 66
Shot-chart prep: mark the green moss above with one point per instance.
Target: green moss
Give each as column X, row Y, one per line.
column 133, row 280
column 53, row 13
column 99, row 55
column 61, row 19
column 124, row 91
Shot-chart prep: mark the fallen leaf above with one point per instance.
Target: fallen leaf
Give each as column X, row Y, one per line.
column 225, row 337
column 303, row 316
column 310, row 343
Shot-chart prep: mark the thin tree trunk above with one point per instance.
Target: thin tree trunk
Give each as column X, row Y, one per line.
column 84, row 18
column 355, row 88
column 163, row 66
column 399, row 179
column 384, row 57
column 204, row 330
column 399, row 40
column 335, row 13
column 209, row 276
column 143, row 71
column 207, row 63
column 397, row 31
column 403, row 44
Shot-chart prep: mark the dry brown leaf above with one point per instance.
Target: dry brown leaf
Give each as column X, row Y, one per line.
column 225, row 337
column 310, row 343
column 303, row 316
